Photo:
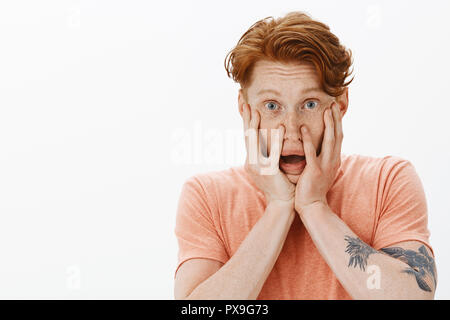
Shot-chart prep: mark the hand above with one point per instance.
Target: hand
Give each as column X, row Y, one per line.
column 265, row 171
column 320, row 172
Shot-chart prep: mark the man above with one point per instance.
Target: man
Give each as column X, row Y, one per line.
column 300, row 220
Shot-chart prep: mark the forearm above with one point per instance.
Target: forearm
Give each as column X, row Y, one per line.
column 369, row 275
column 243, row 276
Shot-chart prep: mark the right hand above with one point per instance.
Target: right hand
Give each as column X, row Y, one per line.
column 265, row 171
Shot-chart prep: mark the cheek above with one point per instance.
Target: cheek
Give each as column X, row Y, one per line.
column 317, row 129
column 314, row 121
column 269, row 123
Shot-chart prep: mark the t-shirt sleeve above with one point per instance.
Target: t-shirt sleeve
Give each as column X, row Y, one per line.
column 194, row 228
column 403, row 215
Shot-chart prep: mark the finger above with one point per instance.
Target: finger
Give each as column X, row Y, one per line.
column 276, row 143
column 272, row 162
column 246, row 116
column 246, row 119
column 252, row 132
column 262, row 139
column 328, row 142
column 264, row 153
column 254, row 120
column 308, row 147
column 338, row 133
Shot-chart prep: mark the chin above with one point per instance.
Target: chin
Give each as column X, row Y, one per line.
column 293, row 178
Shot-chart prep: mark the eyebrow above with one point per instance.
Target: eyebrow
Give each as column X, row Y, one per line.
column 304, row 91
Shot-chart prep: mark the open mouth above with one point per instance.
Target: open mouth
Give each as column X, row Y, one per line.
column 292, row 164
column 292, row 159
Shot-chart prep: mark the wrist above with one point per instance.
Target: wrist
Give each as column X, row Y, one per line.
column 315, row 206
column 281, row 204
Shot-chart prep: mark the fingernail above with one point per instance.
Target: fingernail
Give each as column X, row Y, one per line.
column 304, row 130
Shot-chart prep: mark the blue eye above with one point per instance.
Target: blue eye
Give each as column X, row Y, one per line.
column 311, row 104
column 271, row 106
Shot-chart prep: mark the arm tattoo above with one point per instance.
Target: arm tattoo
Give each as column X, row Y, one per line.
column 420, row 263
column 359, row 252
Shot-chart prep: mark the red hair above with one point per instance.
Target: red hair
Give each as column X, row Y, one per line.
column 296, row 37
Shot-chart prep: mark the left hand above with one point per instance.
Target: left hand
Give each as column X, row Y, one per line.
column 319, row 173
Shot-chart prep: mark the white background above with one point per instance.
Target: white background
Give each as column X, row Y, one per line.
column 98, row 100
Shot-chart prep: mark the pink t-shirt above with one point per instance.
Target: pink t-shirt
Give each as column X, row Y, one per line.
column 380, row 199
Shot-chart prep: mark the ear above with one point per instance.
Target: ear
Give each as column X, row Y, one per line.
column 342, row 101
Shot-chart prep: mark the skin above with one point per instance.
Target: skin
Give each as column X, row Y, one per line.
column 304, row 193
column 293, row 109
column 289, row 80
column 319, row 133
column 243, row 276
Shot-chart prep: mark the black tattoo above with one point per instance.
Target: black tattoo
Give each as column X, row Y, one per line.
column 421, row 264
column 359, row 252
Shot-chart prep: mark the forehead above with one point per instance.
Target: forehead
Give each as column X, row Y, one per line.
column 278, row 73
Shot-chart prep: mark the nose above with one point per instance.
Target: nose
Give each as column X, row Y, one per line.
column 292, row 123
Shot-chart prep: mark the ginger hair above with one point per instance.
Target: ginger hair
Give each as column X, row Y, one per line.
column 294, row 38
